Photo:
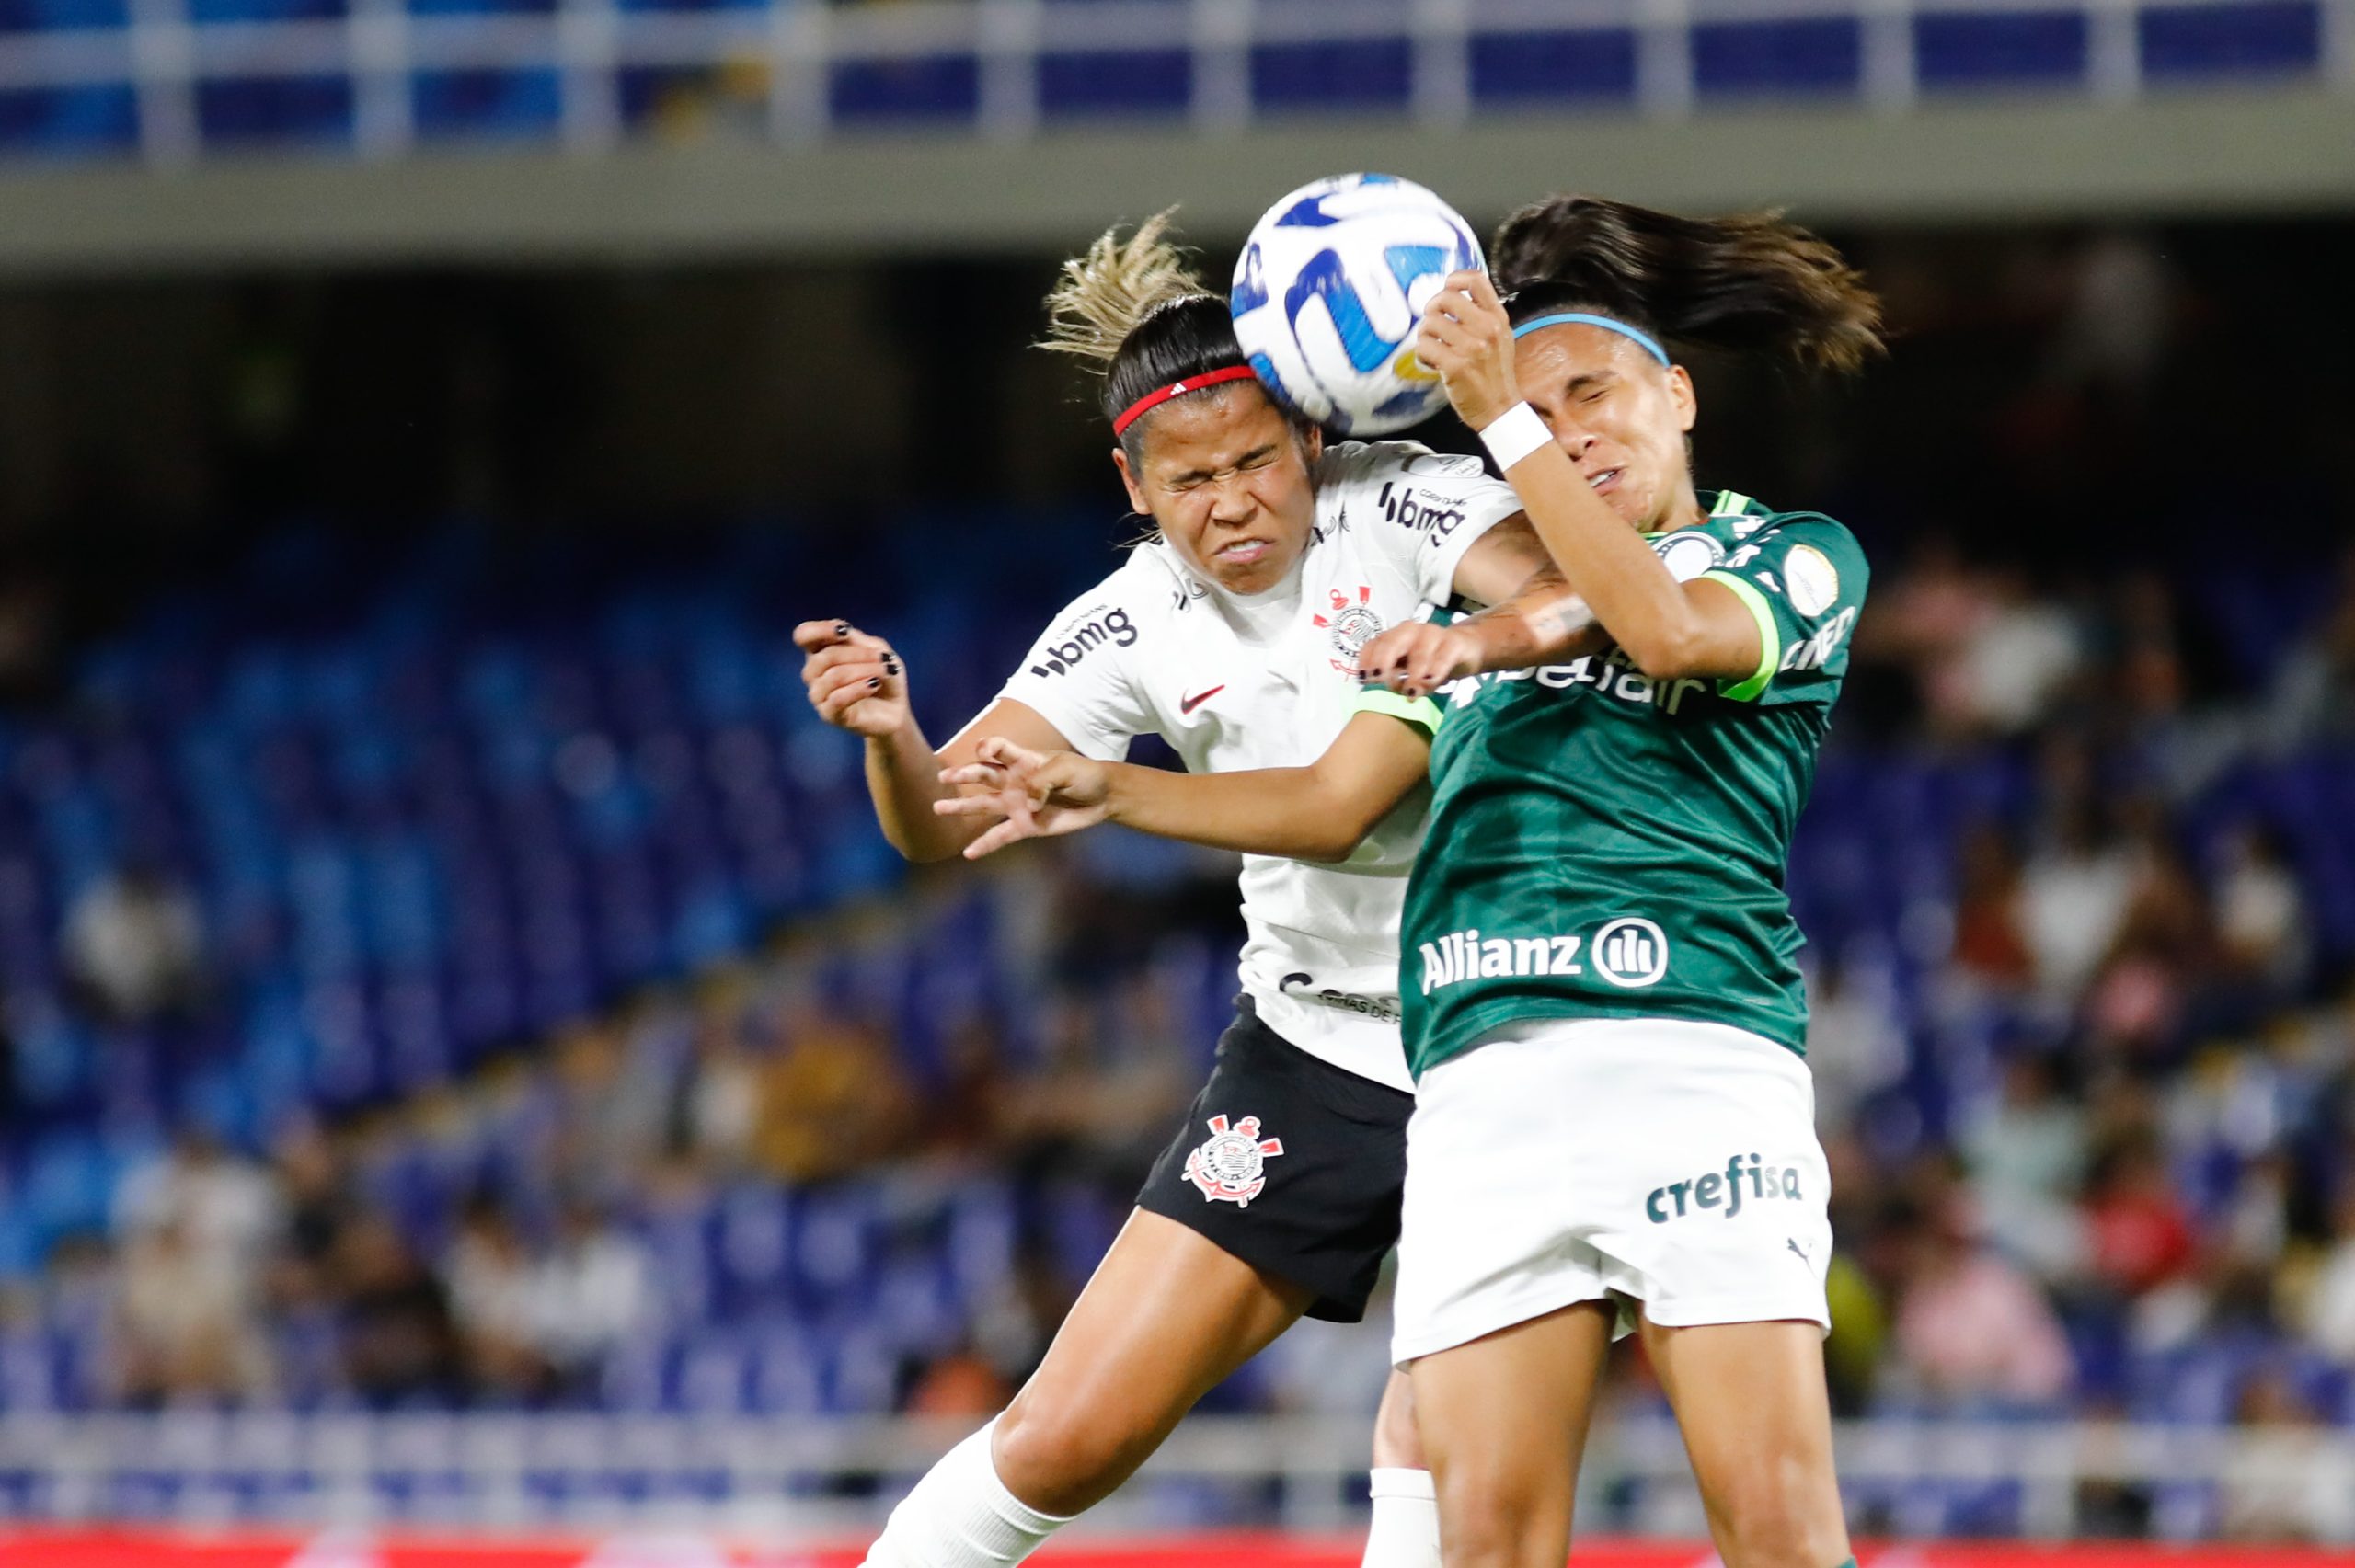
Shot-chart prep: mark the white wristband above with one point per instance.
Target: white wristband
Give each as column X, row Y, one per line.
column 1514, row 434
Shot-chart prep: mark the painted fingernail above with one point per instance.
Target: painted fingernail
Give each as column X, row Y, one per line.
column 842, row 629
column 877, row 681
column 890, row 665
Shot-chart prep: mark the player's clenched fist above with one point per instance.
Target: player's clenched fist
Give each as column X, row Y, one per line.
column 1467, row 338
column 854, row 680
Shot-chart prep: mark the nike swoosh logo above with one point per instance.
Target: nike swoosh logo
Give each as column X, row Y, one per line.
column 1191, row 704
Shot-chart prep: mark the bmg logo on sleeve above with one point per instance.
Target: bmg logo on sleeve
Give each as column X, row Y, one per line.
column 1089, row 630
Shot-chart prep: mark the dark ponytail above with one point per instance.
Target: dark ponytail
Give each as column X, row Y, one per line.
column 1136, row 311
column 1749, row 284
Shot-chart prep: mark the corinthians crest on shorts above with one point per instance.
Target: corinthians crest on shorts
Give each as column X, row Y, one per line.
column 1230, row 1166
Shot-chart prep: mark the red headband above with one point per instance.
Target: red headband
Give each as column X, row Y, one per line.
column 1153, row 400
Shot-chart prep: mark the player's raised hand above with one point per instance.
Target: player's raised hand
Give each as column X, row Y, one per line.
column 1467, row 338
column 1419, row 658
column 1036, row 794
column 854, row 680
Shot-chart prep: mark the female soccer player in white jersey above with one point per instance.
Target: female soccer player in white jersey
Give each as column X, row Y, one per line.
column 1615, row 1126
column 1234, row 635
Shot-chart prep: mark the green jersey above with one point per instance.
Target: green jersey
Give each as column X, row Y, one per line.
column 1605, row 845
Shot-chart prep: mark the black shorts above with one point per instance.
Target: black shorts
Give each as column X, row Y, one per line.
column 1292, row 1164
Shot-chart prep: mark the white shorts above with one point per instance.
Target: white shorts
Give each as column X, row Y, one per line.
column 1643, row 1161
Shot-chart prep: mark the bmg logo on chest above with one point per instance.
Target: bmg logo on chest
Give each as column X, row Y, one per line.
column 1723, row 1191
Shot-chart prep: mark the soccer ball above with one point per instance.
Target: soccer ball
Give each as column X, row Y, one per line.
column 1330, row 289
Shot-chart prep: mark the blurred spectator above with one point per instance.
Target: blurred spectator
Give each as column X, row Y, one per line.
column 610, row 1111
column 590, row 1291
column 185, row 1320
column 2118, row 324
column 716, row 1100
column 2261, row 917
column 2288, row 1479
column 400, row 1343
column 1925, row 620
column 2073, row 895
column 2330, row 1310
column 495, row 1302
column 2027, row 1152
column 1990, row 944
column 832, row 1101
column 223, row 1202
column 133, row 945
column 2140, row 1235
column 2019, row 658
column 960, row 1384
column 1973, row 1330
column 2159, row 959
column 966, row 1117
column 1856, row 1039
column 318, row 1209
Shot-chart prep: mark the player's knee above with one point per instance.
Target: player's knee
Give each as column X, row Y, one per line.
column 1495, row 1519
column 1776, row 1517
column 1061, row 1460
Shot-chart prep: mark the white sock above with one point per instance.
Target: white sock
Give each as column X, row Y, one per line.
column 1405, row 1532
column 962, row 1516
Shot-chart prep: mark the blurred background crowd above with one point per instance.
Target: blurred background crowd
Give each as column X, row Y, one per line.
column 448, row 967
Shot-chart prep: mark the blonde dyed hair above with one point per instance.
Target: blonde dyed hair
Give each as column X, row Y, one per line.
column 1106, row 292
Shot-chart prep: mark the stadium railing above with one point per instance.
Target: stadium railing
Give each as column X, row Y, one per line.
column 170, row 80
column 824, row 1480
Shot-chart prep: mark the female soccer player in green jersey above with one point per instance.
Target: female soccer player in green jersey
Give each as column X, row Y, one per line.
column 1613, row 1129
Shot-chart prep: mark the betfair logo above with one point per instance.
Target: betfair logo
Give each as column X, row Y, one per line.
column 1724, row 1191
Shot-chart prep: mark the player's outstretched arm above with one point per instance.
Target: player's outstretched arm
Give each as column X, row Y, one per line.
column 1319, row 812
column 1542, row 625
column 857, row 683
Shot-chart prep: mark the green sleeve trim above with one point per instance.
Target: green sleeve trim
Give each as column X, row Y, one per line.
column 1421, row 712
column 1770, row 641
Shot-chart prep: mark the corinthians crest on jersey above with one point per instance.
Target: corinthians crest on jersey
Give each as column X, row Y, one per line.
column 1230, row 1166
column 1351, row 622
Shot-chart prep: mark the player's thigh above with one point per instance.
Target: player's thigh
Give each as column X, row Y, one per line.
column 1751, row 1400
column 1167, row 1315
column 1503, row 1422
column 1396, row 1443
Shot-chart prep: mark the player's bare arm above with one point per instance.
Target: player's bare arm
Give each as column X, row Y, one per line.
column 857, row 683
column 1669, row 629
column 1534, row 618
column 1319, row 812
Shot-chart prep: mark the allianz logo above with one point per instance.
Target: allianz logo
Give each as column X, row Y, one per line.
column 1630, row 952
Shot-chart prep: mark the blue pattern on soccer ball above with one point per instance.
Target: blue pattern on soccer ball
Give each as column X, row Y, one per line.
column 1265, row 369
column 1250, row 288
column 1409, row 262
column 1323, row 279
column 1308, row 213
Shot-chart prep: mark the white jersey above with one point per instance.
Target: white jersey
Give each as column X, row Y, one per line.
column 1235, row 682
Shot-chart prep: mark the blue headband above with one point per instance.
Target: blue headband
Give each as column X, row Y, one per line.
column 1578, row 317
